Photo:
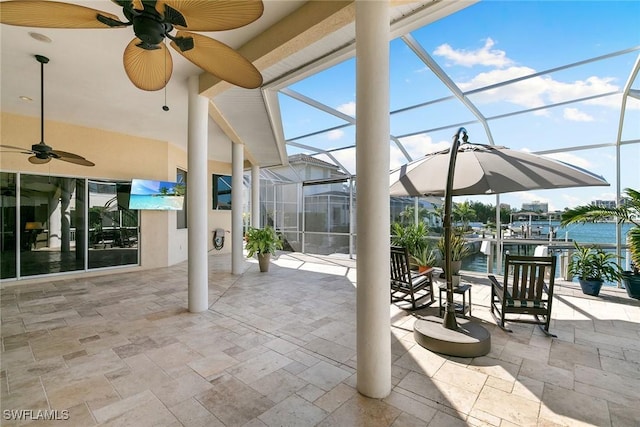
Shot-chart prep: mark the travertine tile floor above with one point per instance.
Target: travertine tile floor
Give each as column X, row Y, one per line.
column 278, row 349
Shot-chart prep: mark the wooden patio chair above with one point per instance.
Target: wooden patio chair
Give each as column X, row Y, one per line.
column 525, row 291
column 413, row 288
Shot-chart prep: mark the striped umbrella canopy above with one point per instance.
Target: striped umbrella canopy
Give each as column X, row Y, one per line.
column 487, row 169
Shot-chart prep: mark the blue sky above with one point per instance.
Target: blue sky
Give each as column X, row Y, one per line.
column 486, row 43
column 145, row 187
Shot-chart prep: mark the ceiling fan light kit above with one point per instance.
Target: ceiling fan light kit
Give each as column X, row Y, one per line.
column 147, row 61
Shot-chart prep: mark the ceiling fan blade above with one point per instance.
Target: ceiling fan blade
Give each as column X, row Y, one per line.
column 59, row 153
column 78, row 161
column 220, row 60
column 21, row 149
column 207, row 15
column 147, row 69
column 128, row 5
column 51, row 14
column 38, row 161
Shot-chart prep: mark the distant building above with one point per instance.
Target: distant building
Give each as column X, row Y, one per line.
column 609, row 204
column 536, row 206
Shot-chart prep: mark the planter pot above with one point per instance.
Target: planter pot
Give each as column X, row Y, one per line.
column 263, row 262
column 423, row 268
column 455, row 280
column 455, row 267
column 631, row 284
column 591, row 287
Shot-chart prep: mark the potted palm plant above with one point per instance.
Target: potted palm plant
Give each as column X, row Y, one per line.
column 425, row 258
column 262, row 242
column 593, row 266
column 413, row 237
column 627, row 212
column 459, row 250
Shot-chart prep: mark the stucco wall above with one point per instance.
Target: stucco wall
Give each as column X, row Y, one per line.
column 117, row 156
column 218, row 219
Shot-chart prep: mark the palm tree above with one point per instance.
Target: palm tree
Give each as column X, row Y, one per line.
column 465, row 213
column 408, row 215
column 628, row 212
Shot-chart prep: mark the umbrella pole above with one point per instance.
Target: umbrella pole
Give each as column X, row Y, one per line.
column 449, row 320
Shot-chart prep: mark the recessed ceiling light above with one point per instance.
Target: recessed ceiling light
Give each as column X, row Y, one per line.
column 25, row 98
column 40, row 37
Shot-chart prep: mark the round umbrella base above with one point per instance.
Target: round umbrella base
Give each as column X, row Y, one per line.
column 469, row 340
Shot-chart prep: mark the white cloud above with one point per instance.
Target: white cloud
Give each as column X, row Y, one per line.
column 562, row 91
column 526, row 93
column 347, row 158
column 483, row 56
column 576, row 115
column 349, row 108
column 570, row 201
column 539, row 91
column 530, row 93
column 335, row 134
column 572, row 159
column 417, row 146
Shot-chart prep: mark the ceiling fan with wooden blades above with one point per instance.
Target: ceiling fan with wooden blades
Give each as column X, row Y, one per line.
column 42, row 153
column 147, row 61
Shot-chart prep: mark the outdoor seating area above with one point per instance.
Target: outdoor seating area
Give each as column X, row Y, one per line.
column 279, row 348
column 409, row 289
column 526, row 290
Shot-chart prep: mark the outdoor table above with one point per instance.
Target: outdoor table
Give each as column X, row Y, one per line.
column 460, row 307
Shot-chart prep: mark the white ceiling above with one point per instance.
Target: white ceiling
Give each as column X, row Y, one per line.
column 86, row 85
column 85, row 82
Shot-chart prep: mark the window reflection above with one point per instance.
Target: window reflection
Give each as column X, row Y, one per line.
column 113, row 229
column 51, row 224
column 8, row 238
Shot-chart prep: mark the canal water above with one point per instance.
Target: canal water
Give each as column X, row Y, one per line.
column 591, row 233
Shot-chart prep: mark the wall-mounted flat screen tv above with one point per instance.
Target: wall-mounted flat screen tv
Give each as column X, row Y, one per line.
column 156, row 195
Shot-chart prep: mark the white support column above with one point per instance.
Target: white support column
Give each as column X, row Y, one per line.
column 67, row 186
column 373, row 223
column 237, row 165
column 255, row 196
column 198, row 229
column 54, row 222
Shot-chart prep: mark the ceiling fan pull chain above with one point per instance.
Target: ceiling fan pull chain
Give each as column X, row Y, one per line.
column 165, row 107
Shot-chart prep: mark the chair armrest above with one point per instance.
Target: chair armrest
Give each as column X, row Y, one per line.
column 428, row 272
column 495, row 282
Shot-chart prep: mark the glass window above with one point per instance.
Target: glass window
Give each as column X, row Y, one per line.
column 51, row 224
column 8, row 236
column 181, row 215
column 113, row 230
column 221, row 188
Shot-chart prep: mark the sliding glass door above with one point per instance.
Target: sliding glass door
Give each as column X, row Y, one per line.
column 8, row 237
column 52, row 224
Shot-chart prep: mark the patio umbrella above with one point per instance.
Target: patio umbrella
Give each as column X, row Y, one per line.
column 473, row 169
column 487, row 169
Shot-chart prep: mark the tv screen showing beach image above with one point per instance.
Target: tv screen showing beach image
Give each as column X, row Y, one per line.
column 156, row 195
